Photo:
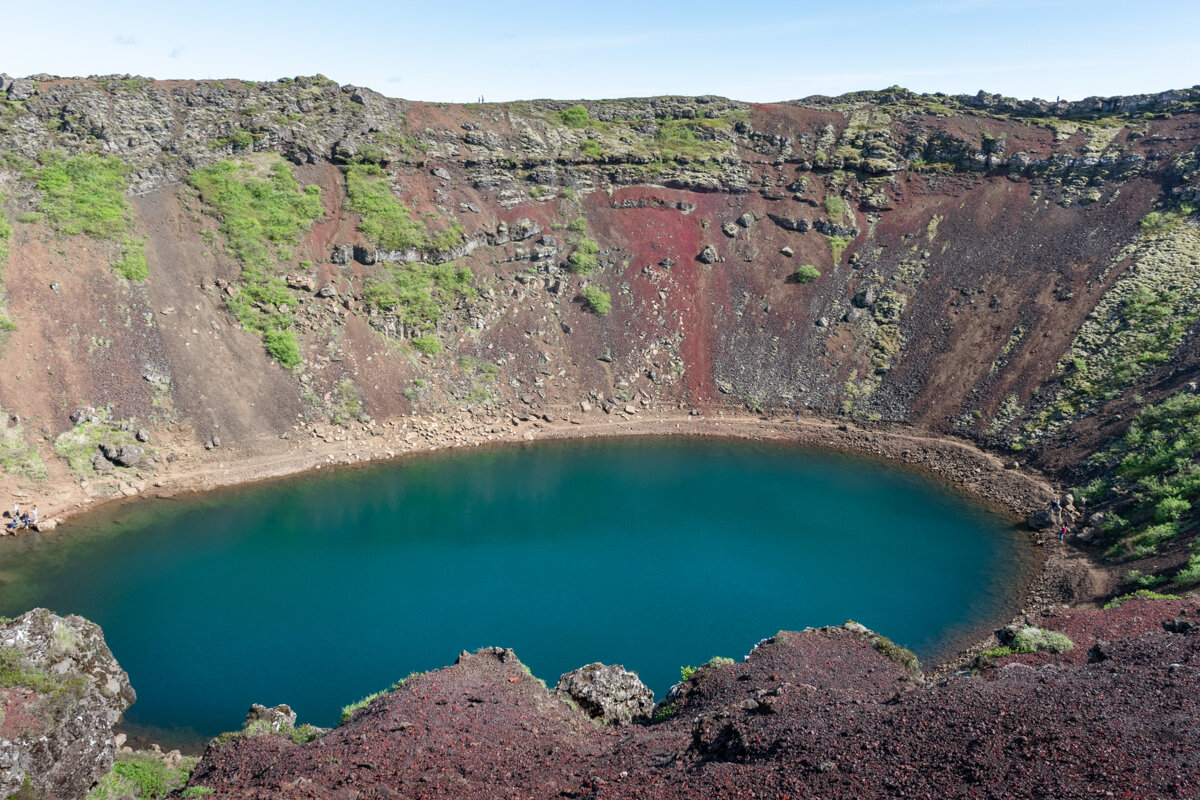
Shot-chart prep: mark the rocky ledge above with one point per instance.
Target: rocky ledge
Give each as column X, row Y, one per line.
column 61, row 692
column 1082, row 703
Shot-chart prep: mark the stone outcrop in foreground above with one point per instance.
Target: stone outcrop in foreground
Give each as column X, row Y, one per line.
column 61, row 692
column 831, row 713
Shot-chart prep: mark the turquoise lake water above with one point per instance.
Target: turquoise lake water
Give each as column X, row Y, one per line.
column 652, row 553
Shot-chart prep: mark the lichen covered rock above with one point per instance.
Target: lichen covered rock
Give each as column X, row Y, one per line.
column 62, row 691
column 608, row 693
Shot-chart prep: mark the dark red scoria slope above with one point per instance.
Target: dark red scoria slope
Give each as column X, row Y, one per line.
column 818, row 714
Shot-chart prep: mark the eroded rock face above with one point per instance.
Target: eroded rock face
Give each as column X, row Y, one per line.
column 608, row 693
column 67, row 691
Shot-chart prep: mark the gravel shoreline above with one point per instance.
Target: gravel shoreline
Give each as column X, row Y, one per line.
column 1016, row 493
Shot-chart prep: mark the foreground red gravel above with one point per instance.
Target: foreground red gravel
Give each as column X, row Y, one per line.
column 818, row 714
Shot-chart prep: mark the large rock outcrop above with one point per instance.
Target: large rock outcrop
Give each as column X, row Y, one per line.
column 608, row 693
column 61, row 691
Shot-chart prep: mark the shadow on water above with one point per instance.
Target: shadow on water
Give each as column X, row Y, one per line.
column 315, row 591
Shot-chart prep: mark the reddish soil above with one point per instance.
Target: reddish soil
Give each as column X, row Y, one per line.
column 819, row 714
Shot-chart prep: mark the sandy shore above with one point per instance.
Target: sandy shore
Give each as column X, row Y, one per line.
column 315, row 447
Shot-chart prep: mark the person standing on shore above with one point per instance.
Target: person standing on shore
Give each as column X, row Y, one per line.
column 1062, row 534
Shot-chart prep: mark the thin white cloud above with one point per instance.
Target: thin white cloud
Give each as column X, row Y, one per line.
column 176, row 52
column 128, row 41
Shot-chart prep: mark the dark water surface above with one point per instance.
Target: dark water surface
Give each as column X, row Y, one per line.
column 651, row 553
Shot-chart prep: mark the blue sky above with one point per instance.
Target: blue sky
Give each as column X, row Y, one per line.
column 748, row 50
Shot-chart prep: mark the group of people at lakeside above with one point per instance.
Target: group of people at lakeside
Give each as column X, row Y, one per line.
column 18, row 521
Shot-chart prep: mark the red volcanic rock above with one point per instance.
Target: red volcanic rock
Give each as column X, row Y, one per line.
column 820, row 714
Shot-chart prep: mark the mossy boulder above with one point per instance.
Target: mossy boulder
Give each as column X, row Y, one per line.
column 62, row 691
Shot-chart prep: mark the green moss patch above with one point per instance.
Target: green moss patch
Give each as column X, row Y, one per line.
column 1136, row 326
column 263, row 213
column 84, row 194
column 18, row 457
column 417, row 295
column 79, row 444
column 1157, row 462
column 806, row 274
column 1141, row 594
column 1041, row 640
column 837, row 246
column 585, row 258
column 388, row 223
column 132, row 262
column 144, row 777
column 596, row 300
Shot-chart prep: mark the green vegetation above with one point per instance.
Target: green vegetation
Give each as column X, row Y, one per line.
column 418, row 295
column 144, row 777
column 64, row 640
column 388, row 223
column 579, row 226
column 900, row 655
column 1030, row 640
column 348, row 711
column 677, row 140
column 482, row 375
column 585, row 258
column 17, row 673
column 261, row 727
column 806, row 273
column 1135, row 327
column 591, row 149
column 996, row 652
column 405, row 145
column 1136, row 578
column 240, row 140
column 283, row 347
column 6, row 324
column 716, row 662
column 1041, row 640
column 1142, row 594
column 263, row 213
column 84, row 194
column 347, row 403
column 58, row 694
column 597, row 300
column 1190, row 572
column 427, row 344
column 78, row 445
column 1159, row 222
column 835, row 207
column 664, row 712
column 837, row 246
column 6, row 233
column 132, row 263
column 1157, row 462
column 17, row 456
column 575, row 117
